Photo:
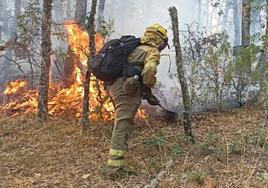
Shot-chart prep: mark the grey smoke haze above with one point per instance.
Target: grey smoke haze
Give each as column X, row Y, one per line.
column 133, row 16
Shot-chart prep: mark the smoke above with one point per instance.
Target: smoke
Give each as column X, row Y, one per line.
column 133, row 16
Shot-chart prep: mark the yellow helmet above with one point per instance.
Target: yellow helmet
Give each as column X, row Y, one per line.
column 159, row 30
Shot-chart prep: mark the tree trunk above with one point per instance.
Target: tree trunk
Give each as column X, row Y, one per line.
column 263, row 60
column 80, row 11
column 71, row 60
column 237, row 23
column 266, row 31
column 58, row 11
column 92, row 51
column 246, row 8
column 187, row 122
column 17, row 13
column 266, row 75
column 100, row 14
column 42, row 110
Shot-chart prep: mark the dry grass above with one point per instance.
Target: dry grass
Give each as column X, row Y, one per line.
column 231, row 150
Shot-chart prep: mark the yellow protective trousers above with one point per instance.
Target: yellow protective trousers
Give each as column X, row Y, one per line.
column 126, row 107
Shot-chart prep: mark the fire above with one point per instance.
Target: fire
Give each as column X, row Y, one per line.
column 20, row 99
column 21, row 103
column 142, row 113
column 14, row 86
column 78, row 74
column 79, row 41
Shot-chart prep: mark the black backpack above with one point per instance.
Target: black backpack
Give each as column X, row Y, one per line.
column 112, row 60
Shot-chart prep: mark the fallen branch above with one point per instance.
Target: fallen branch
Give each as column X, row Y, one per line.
column 154, row 182
column 187, row 115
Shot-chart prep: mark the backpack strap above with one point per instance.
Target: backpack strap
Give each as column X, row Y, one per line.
column 125, row 64
column 124, row 41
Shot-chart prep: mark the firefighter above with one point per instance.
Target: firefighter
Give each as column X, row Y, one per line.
column 127, row 93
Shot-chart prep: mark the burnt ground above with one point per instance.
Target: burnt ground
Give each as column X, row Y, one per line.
column 231, row 150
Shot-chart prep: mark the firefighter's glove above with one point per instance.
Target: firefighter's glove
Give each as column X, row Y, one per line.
column 131, row 85
column 152, row 100
column 148, row 95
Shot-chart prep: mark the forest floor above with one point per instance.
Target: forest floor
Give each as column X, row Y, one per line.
column 231, row 150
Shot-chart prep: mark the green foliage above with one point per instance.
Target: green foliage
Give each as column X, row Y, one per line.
column 212, row 146
column 243, row 69
column 257, row 139
column 234, row 149
column 217, row 69
column 161, row 144
column 30, row 21
column 265, row 176
column 176, row 151
column 82, row 21
column 198, row 176
column 246, row 57
column 155, row 141
column 106, row 28
column 258, row 5
column 264, row 39
column 29, row 32
column 212, row 138
column 205, row 56
column 217, row 73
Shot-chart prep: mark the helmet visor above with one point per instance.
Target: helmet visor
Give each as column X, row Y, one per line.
column 164, row 45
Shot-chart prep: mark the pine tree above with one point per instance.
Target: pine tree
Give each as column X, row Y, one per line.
column 187, row 120
column 42, row 110
column 246, row 8
column 92, row 50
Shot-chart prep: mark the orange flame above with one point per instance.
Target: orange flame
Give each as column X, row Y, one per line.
column 78, row 39
column 65, row 100
column 13, row 86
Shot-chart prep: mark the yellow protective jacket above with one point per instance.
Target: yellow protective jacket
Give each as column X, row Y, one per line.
column 147, row 56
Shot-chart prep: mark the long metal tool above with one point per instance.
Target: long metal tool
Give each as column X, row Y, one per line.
column 171, row 114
